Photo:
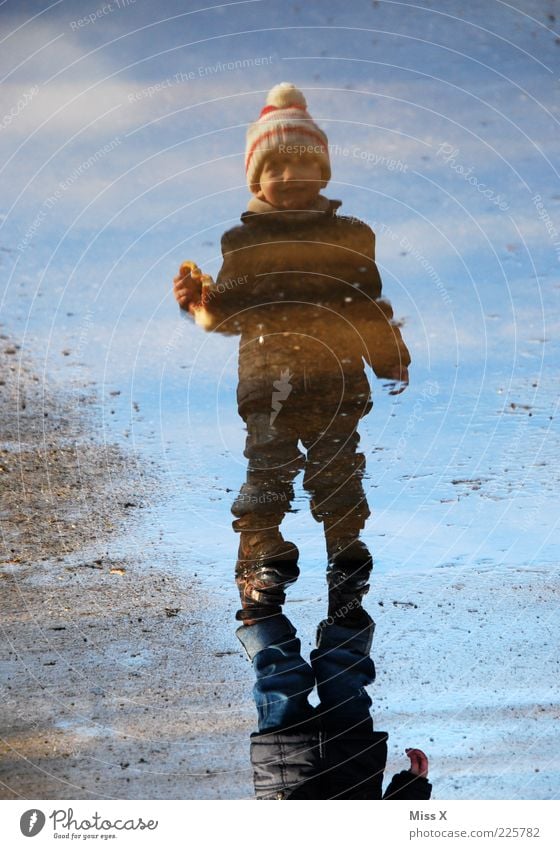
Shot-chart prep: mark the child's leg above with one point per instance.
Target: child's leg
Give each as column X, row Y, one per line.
column 274, row 461
column 333, row 476
column 343, row 668
column 266, row 562
column 283, row 678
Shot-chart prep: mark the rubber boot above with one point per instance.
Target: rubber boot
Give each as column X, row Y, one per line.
column 348, row 571
column 266, row 565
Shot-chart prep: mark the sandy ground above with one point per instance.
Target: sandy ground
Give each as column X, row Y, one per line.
column 118, row 684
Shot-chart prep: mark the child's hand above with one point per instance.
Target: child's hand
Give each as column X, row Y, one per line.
column 418, row 762
column 399, row 379
column 187, row 286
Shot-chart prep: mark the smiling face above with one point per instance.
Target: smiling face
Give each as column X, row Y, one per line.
column 290, row 181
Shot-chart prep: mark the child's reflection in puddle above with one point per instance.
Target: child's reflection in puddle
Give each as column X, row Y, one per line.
column 299, row 284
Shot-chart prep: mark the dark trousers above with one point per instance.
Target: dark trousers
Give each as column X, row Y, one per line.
column 333, row 469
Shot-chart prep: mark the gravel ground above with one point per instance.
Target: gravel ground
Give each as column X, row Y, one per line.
column 118, row 683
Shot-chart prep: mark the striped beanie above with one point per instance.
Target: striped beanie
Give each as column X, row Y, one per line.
column 284, row 121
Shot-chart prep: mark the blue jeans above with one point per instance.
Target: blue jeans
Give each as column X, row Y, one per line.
column 340, row 666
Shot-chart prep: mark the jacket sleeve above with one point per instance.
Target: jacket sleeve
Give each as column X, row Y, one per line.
column 404, row 785
column 354, row 764
column 224, row 299
column 371, row 315
column 383, row 342
column 286, row 765
column 383, row 345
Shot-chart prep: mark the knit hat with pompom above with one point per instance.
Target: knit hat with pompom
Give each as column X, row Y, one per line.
column 284, row 121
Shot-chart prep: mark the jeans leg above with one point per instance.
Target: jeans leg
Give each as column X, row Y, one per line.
column 274, row 462
column 343, row 668
column 284, row 679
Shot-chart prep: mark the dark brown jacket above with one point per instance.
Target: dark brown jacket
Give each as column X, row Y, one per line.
column 304, row 293
column 312, row 763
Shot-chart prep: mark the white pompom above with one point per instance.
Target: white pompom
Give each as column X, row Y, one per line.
column 285, row 95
